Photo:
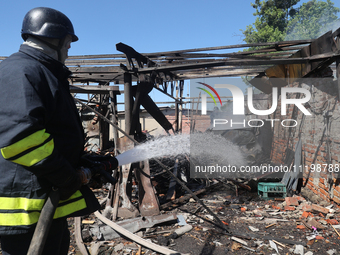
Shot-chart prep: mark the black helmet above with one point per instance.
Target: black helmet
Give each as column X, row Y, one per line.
column 47, row 22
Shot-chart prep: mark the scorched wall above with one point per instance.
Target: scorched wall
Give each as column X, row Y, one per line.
column 319, row 133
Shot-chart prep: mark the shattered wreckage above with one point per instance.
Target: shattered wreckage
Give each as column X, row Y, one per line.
column 157, row 207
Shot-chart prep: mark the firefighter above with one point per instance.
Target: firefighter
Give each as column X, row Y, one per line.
column 41, row 136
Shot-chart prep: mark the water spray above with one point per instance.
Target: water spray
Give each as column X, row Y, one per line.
column 125, row 156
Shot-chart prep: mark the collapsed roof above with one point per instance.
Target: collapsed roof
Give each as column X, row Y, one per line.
column 293, row 59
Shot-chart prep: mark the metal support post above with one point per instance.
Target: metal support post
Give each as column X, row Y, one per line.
column 128, row 99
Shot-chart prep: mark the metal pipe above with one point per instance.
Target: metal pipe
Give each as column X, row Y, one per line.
column 114, row 118
column 180, row 108
column 128, row 101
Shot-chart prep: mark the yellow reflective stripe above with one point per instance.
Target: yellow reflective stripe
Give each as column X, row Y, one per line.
column 29, row 204
column 19, row 219
column 36, row 155
column 21, row 203
column 71, row 207
column 75, row 195
column 65, row 210
column 24, row 144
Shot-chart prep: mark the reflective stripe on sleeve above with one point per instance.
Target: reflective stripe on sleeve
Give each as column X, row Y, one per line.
column 30, row 150
column 65, row 210
column 36, row 155
column 74, row 203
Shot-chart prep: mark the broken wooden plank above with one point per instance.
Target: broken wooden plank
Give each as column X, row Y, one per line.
column 186, row 197
column 239, row 240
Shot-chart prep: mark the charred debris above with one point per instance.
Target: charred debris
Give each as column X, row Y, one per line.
column 156, row 206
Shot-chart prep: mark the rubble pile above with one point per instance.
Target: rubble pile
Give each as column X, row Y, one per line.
column 290, row 225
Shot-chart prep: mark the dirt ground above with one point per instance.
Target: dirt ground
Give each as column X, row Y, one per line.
column 262, row 226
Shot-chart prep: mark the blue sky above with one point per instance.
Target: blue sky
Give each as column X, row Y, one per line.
column 145, row 25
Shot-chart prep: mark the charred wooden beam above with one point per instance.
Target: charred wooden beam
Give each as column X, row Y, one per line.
column 90, row 89
column 131, row 53
column 241, row 62
column 274, row 44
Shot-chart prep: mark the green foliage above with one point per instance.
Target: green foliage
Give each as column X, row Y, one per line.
column 278, row 20
column 264, row 34
column 272, row 20
column 312, row 20
column 270, row 24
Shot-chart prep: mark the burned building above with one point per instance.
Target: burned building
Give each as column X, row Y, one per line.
column 311, row 143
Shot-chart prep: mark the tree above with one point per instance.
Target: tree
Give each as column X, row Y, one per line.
column 272, row 20
column 313, row 19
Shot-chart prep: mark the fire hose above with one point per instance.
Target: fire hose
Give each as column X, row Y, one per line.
column 46, row 217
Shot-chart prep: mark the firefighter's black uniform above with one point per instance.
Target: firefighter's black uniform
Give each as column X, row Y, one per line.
column 41, row 142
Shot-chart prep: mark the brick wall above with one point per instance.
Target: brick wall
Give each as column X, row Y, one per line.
column 320, row 136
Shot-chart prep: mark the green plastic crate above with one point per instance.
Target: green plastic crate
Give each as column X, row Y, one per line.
column 271, row 190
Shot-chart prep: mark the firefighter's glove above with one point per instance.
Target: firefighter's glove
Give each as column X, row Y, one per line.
column 99, row 162
column 88, row 168
column 70, row 186
column 100, row 166
column 85, row 175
